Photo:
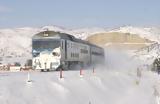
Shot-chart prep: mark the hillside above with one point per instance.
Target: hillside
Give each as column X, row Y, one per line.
column 15, row 43
column 119, row 40
column 152, row 33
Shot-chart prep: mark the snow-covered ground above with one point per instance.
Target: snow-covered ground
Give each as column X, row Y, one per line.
column 103, row 87
column 114, row 83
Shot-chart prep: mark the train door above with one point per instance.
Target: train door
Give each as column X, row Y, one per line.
column 63, row 50
column 66, row 50
column 90, row 55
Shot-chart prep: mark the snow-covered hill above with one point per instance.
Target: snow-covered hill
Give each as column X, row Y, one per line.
column 151, row 33
column 16, row 42
column 148, row 54
column 81, row 33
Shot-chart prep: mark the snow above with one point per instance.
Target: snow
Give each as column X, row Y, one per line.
column 151, row 33
column 115, row 83
column 106, row 86
column 16, row 42
column 148, row 54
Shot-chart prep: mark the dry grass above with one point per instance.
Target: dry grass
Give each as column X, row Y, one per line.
column 119, row 40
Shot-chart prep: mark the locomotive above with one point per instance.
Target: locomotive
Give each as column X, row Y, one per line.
column 54, row 50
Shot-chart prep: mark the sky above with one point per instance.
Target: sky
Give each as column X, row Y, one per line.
column 79, row 13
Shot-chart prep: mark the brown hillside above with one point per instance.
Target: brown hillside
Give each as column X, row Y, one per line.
column 121, row 40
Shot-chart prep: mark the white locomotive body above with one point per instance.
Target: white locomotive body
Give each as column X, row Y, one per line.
column 53, row 50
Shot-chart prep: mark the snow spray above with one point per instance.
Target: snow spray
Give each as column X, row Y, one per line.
column 157, row 95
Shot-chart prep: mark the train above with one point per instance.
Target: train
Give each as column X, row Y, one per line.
column 55, row 50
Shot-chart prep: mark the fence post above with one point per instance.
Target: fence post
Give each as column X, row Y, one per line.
column 81, row 72
column 93, row 70
column 61, row 76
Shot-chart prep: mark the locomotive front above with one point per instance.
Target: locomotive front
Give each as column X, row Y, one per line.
column 46, row 52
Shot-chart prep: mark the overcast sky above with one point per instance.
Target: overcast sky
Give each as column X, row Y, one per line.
column 79, row 13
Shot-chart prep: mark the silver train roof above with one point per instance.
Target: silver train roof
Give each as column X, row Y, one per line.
column 59, row 35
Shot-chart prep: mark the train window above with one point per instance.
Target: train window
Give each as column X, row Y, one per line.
column 74, row 55
column 84, row 51
column 45, row 44
column 67, row 45
column 97, row 53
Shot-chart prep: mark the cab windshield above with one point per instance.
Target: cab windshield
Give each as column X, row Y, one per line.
column 39, row 45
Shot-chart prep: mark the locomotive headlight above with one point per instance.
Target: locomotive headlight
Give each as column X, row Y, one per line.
column 45, row 35
column 55, row 54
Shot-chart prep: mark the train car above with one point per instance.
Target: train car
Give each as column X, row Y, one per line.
column 53, row 50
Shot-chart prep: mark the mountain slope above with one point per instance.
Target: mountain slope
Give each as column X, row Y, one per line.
column 152, row 33
column 119, row 40
column 16, row 42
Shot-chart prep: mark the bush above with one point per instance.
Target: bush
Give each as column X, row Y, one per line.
column 29, row 62
column 17, row 64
